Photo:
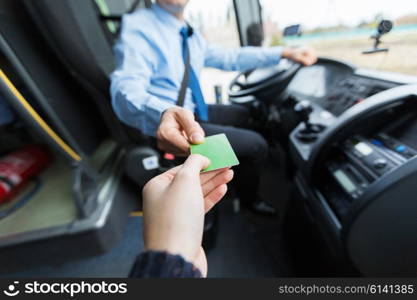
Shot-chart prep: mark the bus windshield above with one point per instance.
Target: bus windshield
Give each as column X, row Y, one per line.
column 342, row 29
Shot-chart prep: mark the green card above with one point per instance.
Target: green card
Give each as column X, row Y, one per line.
column 218, row 149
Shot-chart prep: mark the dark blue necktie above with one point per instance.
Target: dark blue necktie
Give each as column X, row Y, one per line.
column 193, row 84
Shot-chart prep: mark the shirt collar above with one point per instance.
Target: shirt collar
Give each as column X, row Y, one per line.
column 167, row 18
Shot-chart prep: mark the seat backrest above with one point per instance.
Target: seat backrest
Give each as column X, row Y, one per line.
column 46, row 84
column 81, row 41
column 75, row 32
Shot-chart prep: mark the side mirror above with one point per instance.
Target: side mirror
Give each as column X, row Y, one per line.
column 384, row 27
column 292, row 30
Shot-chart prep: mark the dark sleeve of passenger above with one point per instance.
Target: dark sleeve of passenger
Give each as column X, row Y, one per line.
column 157, row 264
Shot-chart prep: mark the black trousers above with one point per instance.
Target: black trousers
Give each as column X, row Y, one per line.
column 249, row 146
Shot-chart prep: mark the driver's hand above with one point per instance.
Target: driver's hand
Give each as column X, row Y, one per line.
column 303, row 55
column 177, row 130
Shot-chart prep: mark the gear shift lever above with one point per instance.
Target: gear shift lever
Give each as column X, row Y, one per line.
column 304, row 109
column 310, row 131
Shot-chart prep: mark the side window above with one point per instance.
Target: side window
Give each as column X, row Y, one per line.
column 119, row 7
column 111, row 11
column 217, row 23
column 249, row 14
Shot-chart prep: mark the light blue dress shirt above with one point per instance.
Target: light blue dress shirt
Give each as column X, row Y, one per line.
column 150, row 67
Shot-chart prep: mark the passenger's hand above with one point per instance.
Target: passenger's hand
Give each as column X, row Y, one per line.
column 303, row 55
column 177, row 130
column 174, row 204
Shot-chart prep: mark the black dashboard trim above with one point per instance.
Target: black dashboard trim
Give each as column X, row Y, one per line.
column 329, row 60
column 380, row 100
column 380, row 187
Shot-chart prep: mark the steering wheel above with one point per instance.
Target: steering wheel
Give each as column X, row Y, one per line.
column 263, row 82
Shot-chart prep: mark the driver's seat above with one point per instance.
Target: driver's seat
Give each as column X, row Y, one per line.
column 77, row 33
column 83, row 43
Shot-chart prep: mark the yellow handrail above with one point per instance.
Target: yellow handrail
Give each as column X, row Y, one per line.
column 64, row 146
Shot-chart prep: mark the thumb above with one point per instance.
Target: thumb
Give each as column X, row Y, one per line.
column 193, row 165
column 193, row 130
column 187, row 180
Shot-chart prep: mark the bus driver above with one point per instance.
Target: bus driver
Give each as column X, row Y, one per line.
column 155, row 48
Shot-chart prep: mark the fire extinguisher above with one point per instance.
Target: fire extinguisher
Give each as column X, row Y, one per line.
column 18, row 167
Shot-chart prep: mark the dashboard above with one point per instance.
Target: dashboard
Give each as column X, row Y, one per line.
column 356, row 178
column 352, row 148
column 335, row 86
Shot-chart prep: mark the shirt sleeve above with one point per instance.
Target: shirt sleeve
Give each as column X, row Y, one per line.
column 158, row 264
column 135, row 63
column 241, row 59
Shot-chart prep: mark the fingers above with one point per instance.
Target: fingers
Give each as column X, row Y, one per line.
column 214, row 197
column 220, row 179
column 309, row 57
column 306, row 56
column 176, row 122
column 205, row 177
column 189, row 173
column 170, row 133
column 172, row 140
column 170, row 174
column 162, row 180
column 192, row 129
column 194, row 164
